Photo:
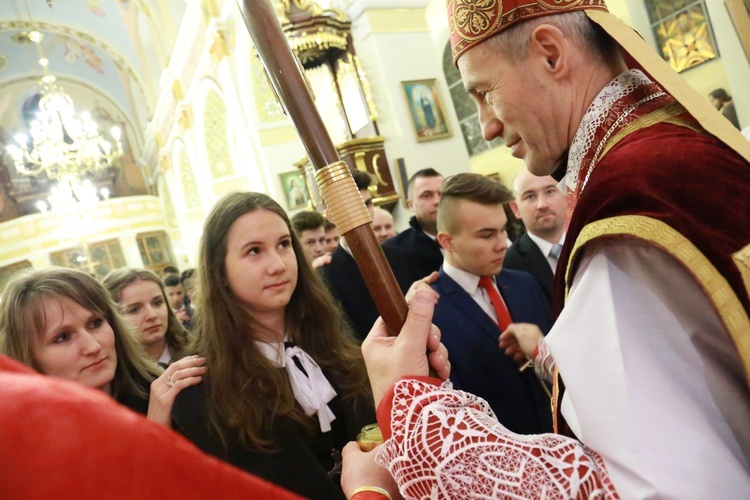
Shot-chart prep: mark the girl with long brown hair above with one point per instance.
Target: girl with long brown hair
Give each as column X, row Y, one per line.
column 143, row 303
column 286, row 387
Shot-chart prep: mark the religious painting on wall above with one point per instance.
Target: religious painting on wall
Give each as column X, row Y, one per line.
column 683, row 32
column 295, row 189
column 426, row 110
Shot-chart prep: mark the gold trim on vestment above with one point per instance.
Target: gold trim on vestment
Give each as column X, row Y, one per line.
column 555, row 399
column 665, row 114
column 720, row 294
column 742, row 261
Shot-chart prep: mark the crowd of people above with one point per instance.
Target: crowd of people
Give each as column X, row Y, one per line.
column 623, row 308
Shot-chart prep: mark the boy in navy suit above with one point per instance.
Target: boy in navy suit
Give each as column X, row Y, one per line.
column 479, row 300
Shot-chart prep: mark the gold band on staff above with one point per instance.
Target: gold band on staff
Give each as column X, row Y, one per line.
column 342, row 197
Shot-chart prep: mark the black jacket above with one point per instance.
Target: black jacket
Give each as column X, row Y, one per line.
column 348, row 287
column 524, row 255
column 299, row 462
column 419, row 244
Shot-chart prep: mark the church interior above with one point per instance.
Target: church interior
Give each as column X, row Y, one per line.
column 123, row 121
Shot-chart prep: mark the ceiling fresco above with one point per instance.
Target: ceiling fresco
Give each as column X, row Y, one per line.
column 116, row 48
column 108, row 55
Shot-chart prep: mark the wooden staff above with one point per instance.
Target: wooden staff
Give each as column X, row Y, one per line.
column 337, row 187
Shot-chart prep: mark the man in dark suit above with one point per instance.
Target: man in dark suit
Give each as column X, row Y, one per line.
column 471, row 313
column 345, row 282
column 541, row 206
column 423, row 196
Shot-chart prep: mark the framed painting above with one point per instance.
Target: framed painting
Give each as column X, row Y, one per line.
column 295, row 189
column 683, row 32
column 426, row 110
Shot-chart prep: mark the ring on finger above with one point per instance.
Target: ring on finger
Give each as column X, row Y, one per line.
column 169, row 382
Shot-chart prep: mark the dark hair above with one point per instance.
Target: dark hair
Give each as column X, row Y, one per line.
column 329, row 225
column 306, row 221
column 115, row 281
column 721, row 95
column 471, row 187
column 172, row 280
column 246, row 391
column 361, row 179
column 23, row 318
column 425, row 172
column 170, row 270
column 186, row 275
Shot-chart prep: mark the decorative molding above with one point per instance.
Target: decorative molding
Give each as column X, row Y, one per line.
column 119, row 61
column 31, row 235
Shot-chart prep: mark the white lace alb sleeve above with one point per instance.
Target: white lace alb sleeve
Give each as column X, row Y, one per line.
column 448, row 444
column 544, row 363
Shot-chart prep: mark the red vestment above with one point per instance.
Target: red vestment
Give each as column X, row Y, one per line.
column 63, row 440
column 651, row 173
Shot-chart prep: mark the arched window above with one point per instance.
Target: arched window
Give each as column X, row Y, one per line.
column 189, row 186
column 215, row 131
column 466, row 110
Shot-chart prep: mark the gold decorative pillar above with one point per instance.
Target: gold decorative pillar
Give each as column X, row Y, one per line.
column 321, row 40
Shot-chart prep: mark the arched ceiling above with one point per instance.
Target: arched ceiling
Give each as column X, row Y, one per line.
column 107, row 53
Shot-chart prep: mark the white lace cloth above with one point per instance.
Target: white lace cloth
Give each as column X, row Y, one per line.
column 311, row 388
column 448, row 444
column 544, row 363
column 625, row 84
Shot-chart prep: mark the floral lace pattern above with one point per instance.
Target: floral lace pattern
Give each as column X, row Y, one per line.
column 544, row 363
column 448, row 444
column 625, row 84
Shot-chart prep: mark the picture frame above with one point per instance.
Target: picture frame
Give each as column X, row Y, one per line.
column 403, row 182
column 685, row 40
column 426, row 110
column 739, row 13
column 295, row 189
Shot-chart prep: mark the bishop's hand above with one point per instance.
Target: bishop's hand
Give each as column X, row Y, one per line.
column 413, row 352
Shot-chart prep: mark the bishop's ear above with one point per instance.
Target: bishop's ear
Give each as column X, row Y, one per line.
column 550, row 45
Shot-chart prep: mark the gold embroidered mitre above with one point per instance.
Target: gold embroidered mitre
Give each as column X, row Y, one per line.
column 473, row 21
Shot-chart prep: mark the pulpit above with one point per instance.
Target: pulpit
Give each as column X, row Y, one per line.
column 321, row 40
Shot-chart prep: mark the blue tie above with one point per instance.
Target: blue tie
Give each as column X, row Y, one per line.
column 555, row 252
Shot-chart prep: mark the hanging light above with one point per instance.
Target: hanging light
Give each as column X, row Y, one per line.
column 59, row 143
column 73, row 197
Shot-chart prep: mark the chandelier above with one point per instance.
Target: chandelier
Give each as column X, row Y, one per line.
column 73, row 198
column 61, row 144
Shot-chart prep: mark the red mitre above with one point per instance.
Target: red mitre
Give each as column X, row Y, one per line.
column 473, row 21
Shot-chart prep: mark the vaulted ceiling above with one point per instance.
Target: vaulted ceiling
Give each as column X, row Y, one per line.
column 104, row 53
column 108, row 55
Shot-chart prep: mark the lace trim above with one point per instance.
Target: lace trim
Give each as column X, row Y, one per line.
column 544, row 363
column 448, row 444
column 625, row 84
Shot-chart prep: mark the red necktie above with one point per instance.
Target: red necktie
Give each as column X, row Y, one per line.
column 503, row 316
